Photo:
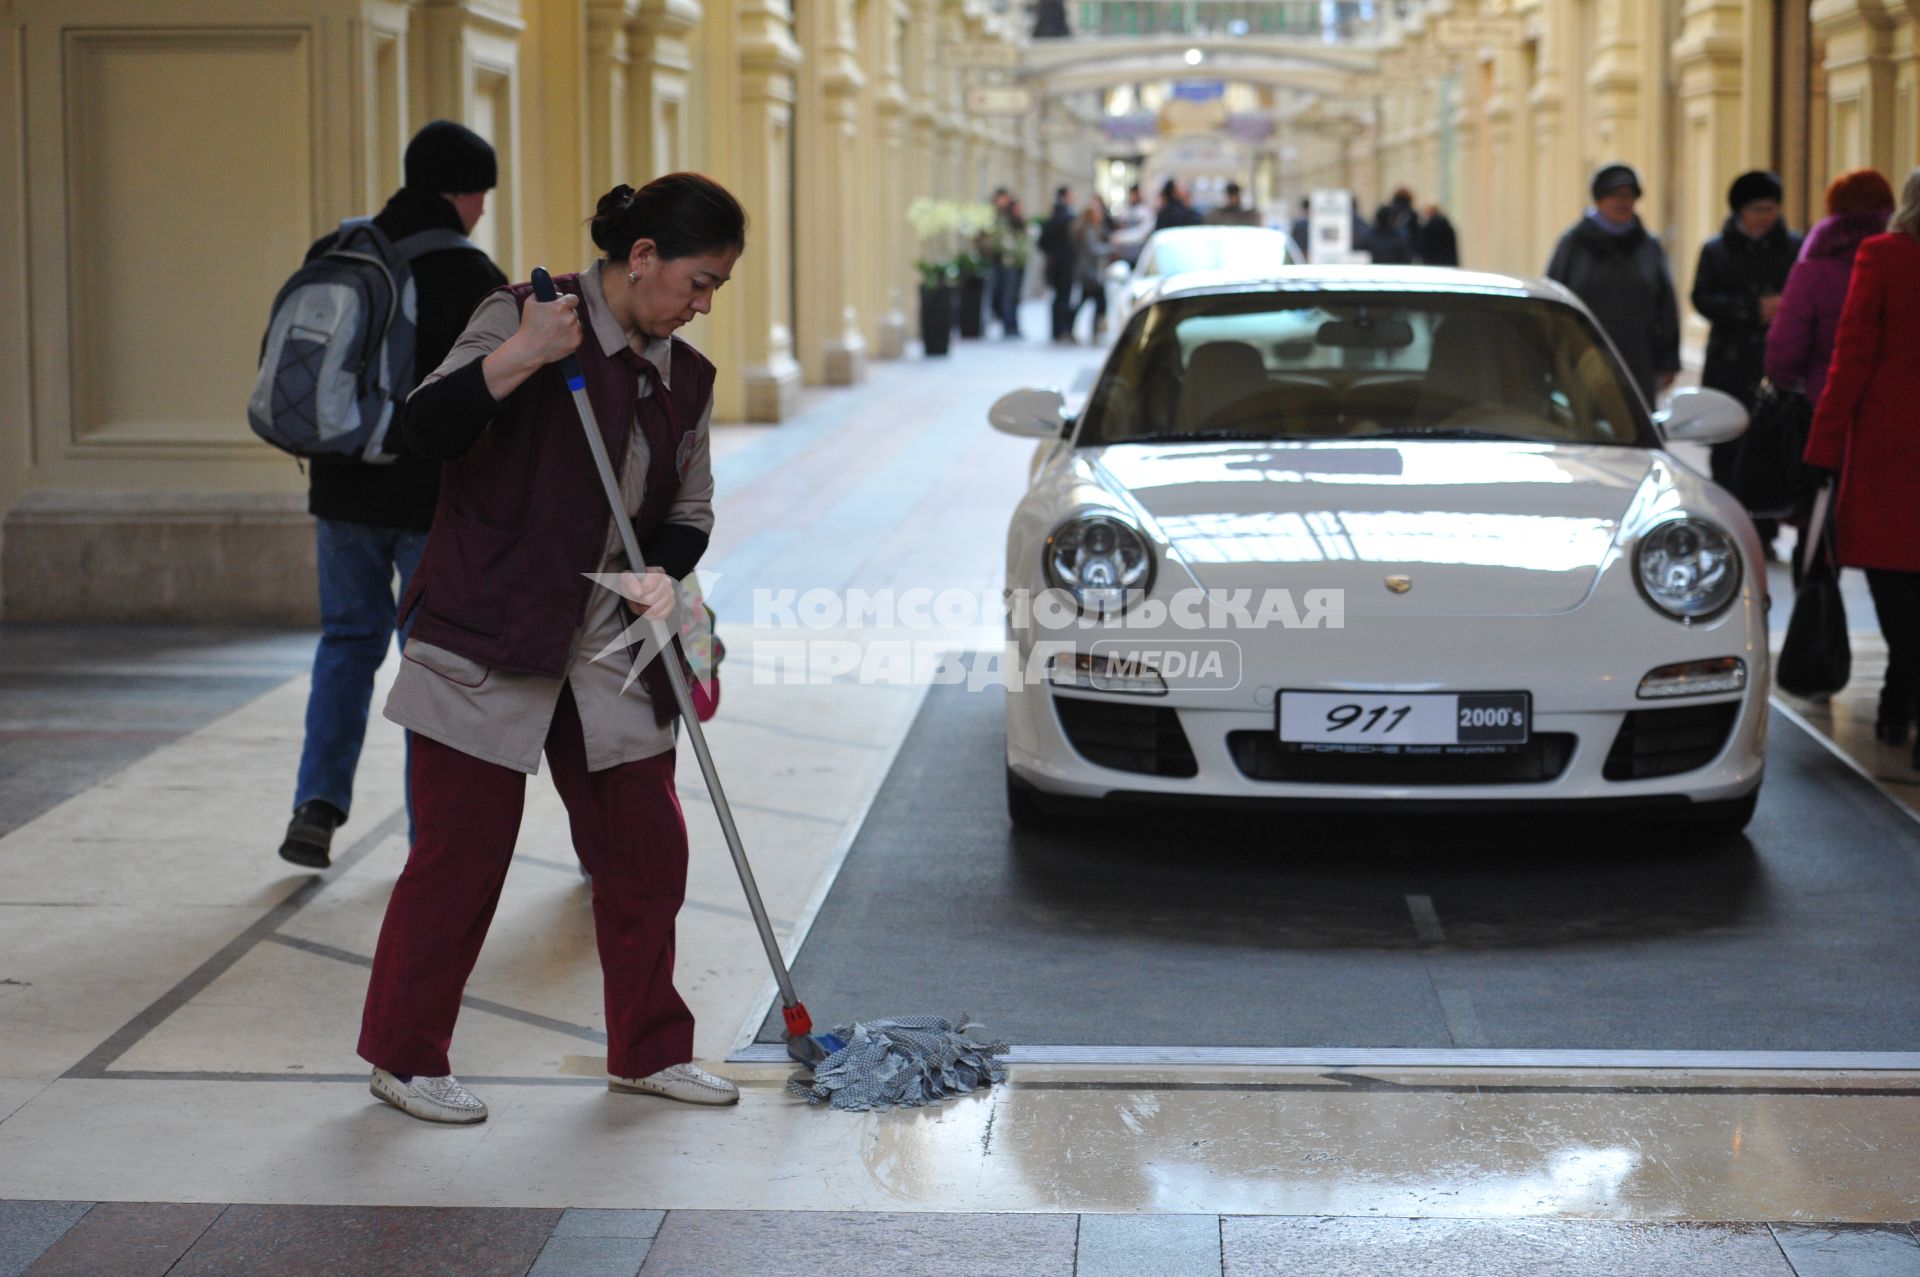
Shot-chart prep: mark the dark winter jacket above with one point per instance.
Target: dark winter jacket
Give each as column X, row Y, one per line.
column 1735, row 272
column 1175, row 213
column 1625, row 282
column 1056, row 241
column 1389, row 246
column 448, row 285
column 1800, row 341
column 1439, row 246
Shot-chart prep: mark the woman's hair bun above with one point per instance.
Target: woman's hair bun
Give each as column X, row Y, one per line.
column 605, row 214
column 682, row 213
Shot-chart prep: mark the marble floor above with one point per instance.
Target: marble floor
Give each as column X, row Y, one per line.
column 179, row 1091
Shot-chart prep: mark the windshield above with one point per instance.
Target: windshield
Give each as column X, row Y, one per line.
column 1348, row 365
column 1249, row 249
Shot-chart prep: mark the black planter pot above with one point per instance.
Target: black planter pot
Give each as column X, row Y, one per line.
column 973, row 297
column 936, row 319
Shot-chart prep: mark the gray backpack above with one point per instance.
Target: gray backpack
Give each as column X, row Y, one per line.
column 338, row 354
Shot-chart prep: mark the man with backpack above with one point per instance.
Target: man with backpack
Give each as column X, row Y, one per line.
column 374, row 501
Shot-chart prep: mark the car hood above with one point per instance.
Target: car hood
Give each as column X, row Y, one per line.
column 1476, row 527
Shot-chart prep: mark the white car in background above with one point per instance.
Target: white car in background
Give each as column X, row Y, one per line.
column 1255, row 250
column 1469, row 573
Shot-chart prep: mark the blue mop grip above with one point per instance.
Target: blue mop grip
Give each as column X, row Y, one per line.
column 543, row 290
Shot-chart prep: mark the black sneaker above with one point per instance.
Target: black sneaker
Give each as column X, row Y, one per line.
column 310, row 834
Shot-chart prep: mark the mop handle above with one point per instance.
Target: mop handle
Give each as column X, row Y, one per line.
column 544, row 290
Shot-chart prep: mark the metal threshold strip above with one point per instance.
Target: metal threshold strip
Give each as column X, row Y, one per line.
column 1421, row 1057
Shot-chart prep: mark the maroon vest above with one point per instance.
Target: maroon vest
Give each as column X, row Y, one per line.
column 522, row 515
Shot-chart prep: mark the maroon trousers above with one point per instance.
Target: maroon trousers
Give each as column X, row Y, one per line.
column 629, row 834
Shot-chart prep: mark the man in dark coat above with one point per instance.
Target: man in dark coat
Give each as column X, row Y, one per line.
column 1056, row 241
column 1620, row 271
column 373, row 519
column 1174, row 209
column 1737, row 287
column 1439, row 245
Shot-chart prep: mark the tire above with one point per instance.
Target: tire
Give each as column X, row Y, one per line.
column 1023, row 809
column 1726, row 819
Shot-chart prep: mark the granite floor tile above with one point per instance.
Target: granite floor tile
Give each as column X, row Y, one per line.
column 1255, row 1246
column 591, row 1257
column 369, row 1241
column 1149, row 1246
column 806, row 1244
column 127, row 1239
column 609, row 1223
column 28, row 1228
column 1850, row 1250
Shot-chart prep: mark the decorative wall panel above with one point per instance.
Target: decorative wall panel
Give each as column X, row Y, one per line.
column 203, row 132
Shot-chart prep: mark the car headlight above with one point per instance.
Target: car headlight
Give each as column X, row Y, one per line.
column 1687, row 568
column 1099, row 559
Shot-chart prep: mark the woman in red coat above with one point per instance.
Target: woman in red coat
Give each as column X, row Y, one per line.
column 1867, row 429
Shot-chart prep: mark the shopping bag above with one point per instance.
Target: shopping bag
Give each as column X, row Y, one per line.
column 1767, row 469
column 1816, row 659
column 703, row 648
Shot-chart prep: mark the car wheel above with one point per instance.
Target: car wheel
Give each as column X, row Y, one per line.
column 1726, row 818
column 1023, row 809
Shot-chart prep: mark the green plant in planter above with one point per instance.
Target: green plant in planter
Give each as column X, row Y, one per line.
column 934, row 274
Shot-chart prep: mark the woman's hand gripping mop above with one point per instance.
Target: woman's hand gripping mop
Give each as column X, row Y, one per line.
column 904, row 1061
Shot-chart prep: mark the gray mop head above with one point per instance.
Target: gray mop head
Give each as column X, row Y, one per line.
column 904, row 1062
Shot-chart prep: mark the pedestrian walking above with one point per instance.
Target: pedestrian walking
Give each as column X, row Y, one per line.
column 1863, row 431
column 1132, row 224
column 501, row 662
column 1611, row 262
column 1056, row 241
column 371, row 519
column 1009, row 262
column 1174, row 209
column 1301, row 232
column 1736, row 288
column 1439, row 244
column 1231, row 212
column 1800, row 339
column 1090, row 232
column 1386, row 242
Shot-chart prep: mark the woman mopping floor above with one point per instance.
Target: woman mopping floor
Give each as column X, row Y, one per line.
column 505, row 625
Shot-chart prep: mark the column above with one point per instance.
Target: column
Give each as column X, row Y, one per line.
column 662, row 69
column 888, row 259
column 1859, row 36
column 832, row 349
column 749, row 60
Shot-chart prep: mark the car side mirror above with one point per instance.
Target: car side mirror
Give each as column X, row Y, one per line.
column 1029, row 414
column 1695, row 414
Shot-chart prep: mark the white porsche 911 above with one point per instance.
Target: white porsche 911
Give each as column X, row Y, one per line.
column 1399, row 536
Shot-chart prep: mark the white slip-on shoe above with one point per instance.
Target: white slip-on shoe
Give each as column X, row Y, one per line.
column 688, row 1083
column 431, row 1099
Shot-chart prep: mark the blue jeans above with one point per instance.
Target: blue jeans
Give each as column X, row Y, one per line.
column 357, row 610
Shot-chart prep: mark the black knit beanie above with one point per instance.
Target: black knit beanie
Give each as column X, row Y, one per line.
column 1756, row 185
column 445, row 158
column 1614, row 177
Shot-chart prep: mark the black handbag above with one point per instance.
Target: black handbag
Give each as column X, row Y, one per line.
column 1816, row 659
column 1768, row 473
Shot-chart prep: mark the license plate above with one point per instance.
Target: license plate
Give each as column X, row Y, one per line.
column 1397, row 718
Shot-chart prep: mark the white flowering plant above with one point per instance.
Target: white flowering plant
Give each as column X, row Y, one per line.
column 948, row 232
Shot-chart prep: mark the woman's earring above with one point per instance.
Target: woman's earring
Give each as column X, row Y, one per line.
column 632, row 277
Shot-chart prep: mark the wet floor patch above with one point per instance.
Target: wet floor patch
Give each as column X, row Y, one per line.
column 1198, row 930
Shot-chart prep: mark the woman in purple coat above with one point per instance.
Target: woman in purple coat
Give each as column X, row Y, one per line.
column 1800, row 340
